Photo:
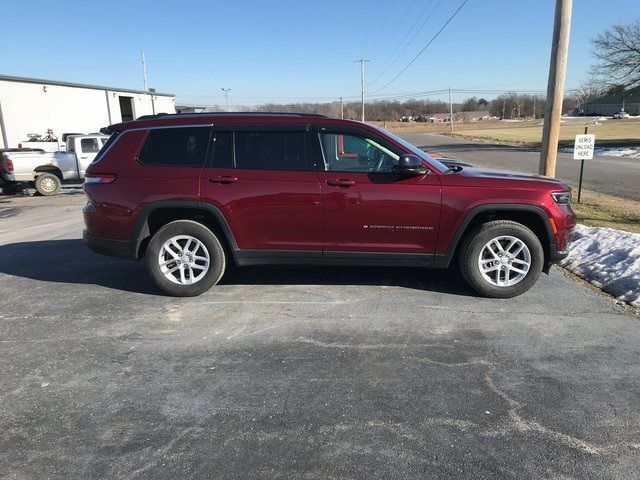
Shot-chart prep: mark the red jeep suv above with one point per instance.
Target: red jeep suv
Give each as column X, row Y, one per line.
column 192, row 193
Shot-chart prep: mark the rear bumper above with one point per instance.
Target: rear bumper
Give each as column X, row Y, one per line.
column 110, row 247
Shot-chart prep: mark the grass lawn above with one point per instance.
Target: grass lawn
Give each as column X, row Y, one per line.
column 599, row 210
column 529, row 133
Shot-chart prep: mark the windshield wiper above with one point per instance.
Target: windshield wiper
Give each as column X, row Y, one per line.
column 454, row 169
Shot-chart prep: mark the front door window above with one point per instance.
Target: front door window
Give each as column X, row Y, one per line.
column 348, row 153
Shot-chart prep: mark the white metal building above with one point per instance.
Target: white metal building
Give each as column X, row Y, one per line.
column 627, row 100
column 33, row 105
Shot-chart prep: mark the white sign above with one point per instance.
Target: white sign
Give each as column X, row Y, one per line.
column 583, row 148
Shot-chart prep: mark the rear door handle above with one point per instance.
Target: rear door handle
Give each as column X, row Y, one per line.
column 223, row 179
column 343, row 182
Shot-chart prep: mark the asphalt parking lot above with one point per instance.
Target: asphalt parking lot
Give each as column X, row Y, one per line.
column 308, row 373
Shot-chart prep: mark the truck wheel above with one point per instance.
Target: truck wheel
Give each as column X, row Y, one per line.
column 47, row 184
column 185, row 258
column 501, row 259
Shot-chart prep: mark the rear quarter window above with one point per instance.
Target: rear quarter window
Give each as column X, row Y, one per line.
column 178, row 147
column 106, row 146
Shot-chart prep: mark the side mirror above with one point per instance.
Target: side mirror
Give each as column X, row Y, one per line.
column 410, row 165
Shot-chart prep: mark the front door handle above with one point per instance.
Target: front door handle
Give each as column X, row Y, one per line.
column 223, row 179
column 342, row 182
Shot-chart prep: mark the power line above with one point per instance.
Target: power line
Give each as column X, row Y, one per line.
column 253, row 100
column 373, row 21
column 425, row 47
column 382, row 28
column 393, row 58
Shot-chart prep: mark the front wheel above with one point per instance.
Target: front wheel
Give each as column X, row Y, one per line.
column 185, row 258
column 501, row 259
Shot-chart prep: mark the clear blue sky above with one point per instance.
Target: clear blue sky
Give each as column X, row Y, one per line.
column 289, row 50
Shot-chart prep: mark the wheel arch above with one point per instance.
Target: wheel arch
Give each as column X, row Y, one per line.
column 48, row 169
column 531, row 216
column 156, row 214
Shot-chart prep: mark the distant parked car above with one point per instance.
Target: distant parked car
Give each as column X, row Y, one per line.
column 46, row 171
column 619, row 115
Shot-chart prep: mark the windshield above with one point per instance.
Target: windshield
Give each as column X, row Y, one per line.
column 415, row 150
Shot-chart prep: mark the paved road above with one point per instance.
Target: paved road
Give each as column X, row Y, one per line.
column 611, row 175
column 300, row 373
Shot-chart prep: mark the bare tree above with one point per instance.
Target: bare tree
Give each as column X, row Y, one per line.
column 587, row 91
column 618, row 52
column 470, row 104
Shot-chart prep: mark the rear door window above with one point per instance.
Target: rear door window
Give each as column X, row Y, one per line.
column 271, row 150
column 222, row 145
column 177, row 146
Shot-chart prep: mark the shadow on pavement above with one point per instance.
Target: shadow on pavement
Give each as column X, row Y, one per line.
column 433, row 280
column 69, row 261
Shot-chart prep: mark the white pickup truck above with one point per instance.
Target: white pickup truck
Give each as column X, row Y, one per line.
column 47, row 171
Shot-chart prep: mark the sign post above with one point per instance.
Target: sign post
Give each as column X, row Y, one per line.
column 583, row 150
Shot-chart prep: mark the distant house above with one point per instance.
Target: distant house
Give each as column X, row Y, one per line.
column 629, row 100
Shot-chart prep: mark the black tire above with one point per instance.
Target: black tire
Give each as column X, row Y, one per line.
column 473, row 245
column 203, row 234
column 47, row 184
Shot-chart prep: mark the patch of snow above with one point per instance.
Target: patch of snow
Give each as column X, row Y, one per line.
column 607, row 258
column 583, row 118
column 632, row 152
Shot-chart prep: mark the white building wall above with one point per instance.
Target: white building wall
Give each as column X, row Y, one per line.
column 165, row 104
column 35, row 107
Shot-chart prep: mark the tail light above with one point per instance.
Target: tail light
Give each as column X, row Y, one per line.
column 8, row 164
column 99, row 179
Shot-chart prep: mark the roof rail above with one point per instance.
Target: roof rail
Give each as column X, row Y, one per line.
column 158, row 115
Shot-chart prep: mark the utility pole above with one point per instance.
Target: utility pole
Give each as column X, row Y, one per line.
column 555, row 88
column 341, row 108
column 450, row 110
column 534, row 107
column 226, row 96
column 362, row 62
column 144, row 73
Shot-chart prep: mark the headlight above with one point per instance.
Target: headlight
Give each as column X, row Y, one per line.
column 562, row 198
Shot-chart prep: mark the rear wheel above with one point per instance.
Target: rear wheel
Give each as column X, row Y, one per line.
column 501, row 259
column 185, row 258
column 47, row 184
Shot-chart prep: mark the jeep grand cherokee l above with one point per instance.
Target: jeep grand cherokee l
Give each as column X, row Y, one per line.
column 193, row 193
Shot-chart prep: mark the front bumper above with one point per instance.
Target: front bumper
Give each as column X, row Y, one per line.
column 557, row 256
column 554, row 256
